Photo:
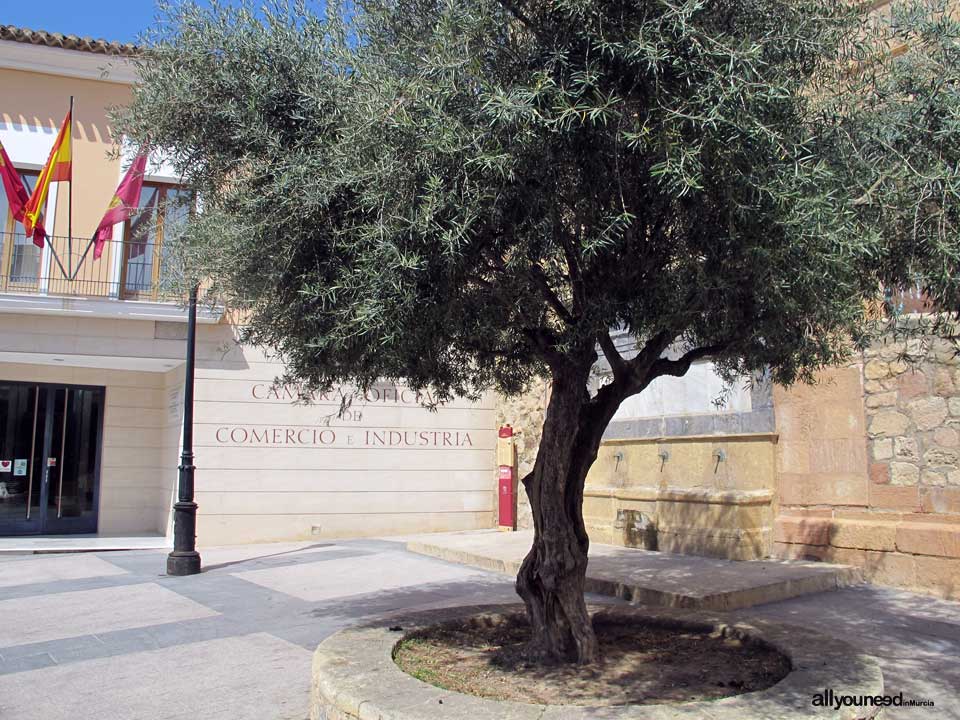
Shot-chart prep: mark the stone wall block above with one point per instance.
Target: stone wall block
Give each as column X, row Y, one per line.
column 928, row 413
column 942, row 458
column 873, row 386
column 936, row 539
column 865, row 535
column 879, row 473
column 890, row 568
column 911, row 385
column 932, row 478
column 946, row 437
column 893, row 497
column 906, row 448
column 954, row 406
column 876, row 370
column 943, row 382
column 944, row 352
column 883, row 399
column 882, row 449
column 888, row 424
column 938, row 575
column 802, row 530
column 943, row 500
column 902, row 473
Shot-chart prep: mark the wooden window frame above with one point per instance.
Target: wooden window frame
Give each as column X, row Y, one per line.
column 6, row 257
column 156, row 263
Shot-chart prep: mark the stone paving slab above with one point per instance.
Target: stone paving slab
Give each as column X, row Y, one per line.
column 653, row 578
column 51, row 569
column 354, row 576
column 85, row 612
column 233, row 677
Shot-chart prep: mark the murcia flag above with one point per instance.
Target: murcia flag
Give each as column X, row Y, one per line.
column 124, row 204
column 58, row 169
column 17, row 196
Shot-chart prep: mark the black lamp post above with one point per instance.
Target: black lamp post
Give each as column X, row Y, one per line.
column 185, row 560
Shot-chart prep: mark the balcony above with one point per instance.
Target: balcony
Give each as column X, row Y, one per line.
column 127, row 270
column 131, row 280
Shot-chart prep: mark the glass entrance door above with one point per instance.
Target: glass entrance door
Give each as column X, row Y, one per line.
column 49, row 458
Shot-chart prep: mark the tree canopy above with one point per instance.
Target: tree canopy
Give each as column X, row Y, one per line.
column 465, row 195
column 458, row 194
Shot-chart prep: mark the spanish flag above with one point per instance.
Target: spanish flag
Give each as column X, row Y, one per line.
column 59, row 168
column 17, row 195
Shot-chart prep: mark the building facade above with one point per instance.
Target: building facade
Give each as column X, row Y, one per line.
column 92, row 364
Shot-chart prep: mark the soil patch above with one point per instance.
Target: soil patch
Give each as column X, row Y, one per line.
column 641, row 663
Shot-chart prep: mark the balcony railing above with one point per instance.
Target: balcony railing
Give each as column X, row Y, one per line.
column 127, row 270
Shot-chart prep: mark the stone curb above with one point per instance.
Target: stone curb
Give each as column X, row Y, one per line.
column 355, row 678
column 837, row 576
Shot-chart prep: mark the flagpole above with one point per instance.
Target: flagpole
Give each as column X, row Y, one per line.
column 70, row 198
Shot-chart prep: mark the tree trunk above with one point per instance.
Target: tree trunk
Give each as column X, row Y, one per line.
column 551, row 579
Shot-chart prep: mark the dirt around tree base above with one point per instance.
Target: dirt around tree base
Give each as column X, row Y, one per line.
column 641, row 663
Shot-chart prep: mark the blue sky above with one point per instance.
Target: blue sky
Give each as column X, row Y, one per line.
column 119, row 20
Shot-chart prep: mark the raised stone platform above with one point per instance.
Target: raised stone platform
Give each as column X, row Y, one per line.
column 651, row 578
column 355, row 677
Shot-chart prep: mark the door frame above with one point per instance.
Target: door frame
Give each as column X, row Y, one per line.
column 60, row 526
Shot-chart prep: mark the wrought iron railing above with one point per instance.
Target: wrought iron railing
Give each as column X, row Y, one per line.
column 128, row 270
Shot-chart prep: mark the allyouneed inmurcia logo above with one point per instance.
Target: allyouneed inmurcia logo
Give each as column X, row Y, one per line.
column 828, row 698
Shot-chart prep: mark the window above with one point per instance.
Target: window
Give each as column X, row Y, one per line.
column 20, row 258
column 148, row 266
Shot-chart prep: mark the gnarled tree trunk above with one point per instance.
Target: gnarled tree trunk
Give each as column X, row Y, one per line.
column 551, row 579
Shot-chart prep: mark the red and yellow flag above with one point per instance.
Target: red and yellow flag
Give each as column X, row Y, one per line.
column 17, row 195
column 123, row 206
column 58, row 169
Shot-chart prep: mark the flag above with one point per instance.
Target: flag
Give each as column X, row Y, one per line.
column 124, row 204
column 17, row 195
column 58, row 169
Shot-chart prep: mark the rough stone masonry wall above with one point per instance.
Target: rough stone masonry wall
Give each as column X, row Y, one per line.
column 893, row 510
column 525, row 413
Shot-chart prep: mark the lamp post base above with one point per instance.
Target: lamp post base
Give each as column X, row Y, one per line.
column 185, row 562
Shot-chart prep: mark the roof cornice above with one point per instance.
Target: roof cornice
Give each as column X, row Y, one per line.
column 66, row 42
column 53, row 60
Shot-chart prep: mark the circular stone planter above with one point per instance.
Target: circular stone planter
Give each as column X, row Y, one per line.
column 355, row 677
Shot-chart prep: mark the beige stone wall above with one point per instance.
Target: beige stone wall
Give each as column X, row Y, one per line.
column 869, row 467
column 674, row 494
column 268, row 468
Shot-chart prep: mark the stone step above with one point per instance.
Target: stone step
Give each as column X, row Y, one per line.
column 55, row 544
column 651, row 578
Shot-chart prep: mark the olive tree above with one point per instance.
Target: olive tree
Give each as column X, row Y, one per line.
column 466, row 196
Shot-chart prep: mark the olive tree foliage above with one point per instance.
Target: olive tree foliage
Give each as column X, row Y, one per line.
column 472, row 195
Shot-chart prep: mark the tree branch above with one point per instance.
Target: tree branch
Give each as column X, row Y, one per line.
column 617, row 363
column 550, row 296
column 678, row 368
column 517, row 13
column 573, row 269
column 640, row 365
column 544, row 342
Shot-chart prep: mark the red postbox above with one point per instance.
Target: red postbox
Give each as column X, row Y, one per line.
column 507, row 488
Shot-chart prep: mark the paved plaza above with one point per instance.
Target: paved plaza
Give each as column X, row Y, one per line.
column 108, row 636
